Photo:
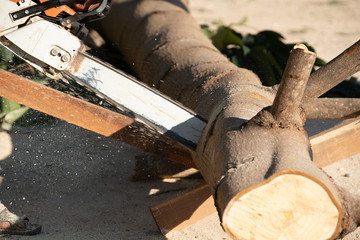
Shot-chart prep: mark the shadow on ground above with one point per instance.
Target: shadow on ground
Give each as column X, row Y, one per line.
column 77, row 184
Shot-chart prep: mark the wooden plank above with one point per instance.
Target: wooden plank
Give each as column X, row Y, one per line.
column 329, row 146
column 91, row 117
column 184, row 210
column 337, row 143
column 61, row 105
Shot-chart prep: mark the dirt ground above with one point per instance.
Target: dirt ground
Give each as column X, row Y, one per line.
column 78, row 185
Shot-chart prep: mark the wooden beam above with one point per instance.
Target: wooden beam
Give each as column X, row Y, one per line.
column 184, row 210
column 337, row 143
column 328, row 147
column 61, row 105
column 91, row 117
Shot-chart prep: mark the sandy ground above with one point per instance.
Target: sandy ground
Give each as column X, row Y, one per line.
column 78, row 185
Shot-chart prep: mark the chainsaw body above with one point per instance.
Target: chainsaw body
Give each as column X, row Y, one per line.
column 48, row 35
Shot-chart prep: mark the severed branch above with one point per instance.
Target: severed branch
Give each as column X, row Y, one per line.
column 286, row 106
column 334, row 72
column 333, row 108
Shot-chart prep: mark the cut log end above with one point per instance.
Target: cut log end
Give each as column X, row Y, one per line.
column 304, row 48
column 289, row 205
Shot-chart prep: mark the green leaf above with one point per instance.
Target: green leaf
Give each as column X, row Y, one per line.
column 4, row 66
column 11, row 111
column 249, row 40
column 14, row 115
column 224, row 37
column 8, row 105
column 6, row 54
column 271, row 60
column 262, row 67
column 205, row 29
column 2, row 114
column 319, row 62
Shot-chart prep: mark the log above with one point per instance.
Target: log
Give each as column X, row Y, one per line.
column 290, row 179
column 243, row 145
column 328, row 147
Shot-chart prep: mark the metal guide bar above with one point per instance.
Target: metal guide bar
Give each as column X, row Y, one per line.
column 148, row 105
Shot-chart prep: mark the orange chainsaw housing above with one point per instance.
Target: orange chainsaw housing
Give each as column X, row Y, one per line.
column 53, row 12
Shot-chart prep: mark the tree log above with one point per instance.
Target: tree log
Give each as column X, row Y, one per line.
column 244, row 152
column 330, row 146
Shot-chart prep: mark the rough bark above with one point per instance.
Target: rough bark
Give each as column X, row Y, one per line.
column 286, row 106
column 332, row 108
column 166, row 48
column 334, row 72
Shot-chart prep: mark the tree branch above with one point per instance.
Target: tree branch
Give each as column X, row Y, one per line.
column 334, row 72
column 296, row 74
column 333, row 108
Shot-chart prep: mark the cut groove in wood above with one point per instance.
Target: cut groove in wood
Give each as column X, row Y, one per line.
column 289, row 205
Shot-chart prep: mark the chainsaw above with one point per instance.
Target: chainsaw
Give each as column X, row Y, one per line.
column 48, row 34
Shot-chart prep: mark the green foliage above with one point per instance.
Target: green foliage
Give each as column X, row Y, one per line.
column 265, row 53
column 11, row 112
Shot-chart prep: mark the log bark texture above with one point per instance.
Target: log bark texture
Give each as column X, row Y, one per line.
column 286, row 105
column 166, row 48
column 333, row 73
column 333, row 108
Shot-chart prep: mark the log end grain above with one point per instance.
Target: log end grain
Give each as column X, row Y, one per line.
column 289, row 205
